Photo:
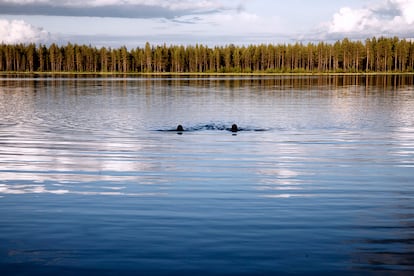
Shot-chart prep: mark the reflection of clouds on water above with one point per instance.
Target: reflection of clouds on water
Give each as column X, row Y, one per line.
column 68, row 177
column 277, row 188
column 28, row 189
column 85, row 166
column 287, row 195
column 402, row 130
column 281, row 172
column 276, row 181
column 35, row 156
column 281, row 177
column 17, row 189
column 63, row 137
column 404, row 150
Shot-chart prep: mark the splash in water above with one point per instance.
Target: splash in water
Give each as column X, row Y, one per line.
column 212, row 126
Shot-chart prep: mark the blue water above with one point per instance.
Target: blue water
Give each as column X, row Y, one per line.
column 94, row 179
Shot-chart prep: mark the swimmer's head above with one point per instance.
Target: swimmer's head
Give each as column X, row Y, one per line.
column 180, row 128
column 234, row 128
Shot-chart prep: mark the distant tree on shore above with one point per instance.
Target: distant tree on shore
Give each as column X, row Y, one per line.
column 345, row 56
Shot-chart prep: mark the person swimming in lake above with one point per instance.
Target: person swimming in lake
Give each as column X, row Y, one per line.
column 234, row 128
column 180, row 128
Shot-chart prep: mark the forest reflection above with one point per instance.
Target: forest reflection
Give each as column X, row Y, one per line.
column 278, row 82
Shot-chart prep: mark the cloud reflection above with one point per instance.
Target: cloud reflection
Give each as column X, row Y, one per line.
column 287, row 195
column 280, row 180
column 20, row 189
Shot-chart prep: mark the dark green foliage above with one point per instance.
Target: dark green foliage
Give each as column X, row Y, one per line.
column 346, row 56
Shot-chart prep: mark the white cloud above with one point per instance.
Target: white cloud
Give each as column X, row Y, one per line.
column 18, row 31
column 407, row 8
column 390, row 17
column 232, row 23
column 348, row 20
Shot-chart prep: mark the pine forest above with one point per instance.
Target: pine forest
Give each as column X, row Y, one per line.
column 345, row 56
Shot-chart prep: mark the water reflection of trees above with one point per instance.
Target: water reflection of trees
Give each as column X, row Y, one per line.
column 303, row 82
column 279, row 82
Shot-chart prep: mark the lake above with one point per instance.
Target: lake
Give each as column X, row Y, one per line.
column 95, row 180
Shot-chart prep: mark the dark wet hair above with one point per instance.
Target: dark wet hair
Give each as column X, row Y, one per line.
column 180, row 128
column 234, row 128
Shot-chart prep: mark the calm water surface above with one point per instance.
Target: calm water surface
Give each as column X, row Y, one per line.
column 319, row 180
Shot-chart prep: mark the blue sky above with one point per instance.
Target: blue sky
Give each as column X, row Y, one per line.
column 212, row 22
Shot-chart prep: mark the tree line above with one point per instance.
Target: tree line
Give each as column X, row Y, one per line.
column 345, row 56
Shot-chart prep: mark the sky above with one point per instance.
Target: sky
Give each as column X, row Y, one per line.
column 114, row 23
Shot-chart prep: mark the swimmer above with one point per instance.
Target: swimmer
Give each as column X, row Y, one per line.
column 234, row 128
column 180, row 128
